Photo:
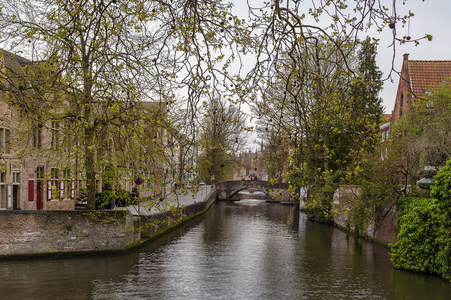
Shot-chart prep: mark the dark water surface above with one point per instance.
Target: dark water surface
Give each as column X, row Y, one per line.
column 238, row 250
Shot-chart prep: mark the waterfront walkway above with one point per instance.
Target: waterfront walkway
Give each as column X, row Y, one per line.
column 183, row 197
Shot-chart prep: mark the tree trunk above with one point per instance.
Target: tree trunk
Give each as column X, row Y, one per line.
column 326, row 159
column 90, row 170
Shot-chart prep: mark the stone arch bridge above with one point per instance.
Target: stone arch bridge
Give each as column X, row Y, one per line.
column 277, row 191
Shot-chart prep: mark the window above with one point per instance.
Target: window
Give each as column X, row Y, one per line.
column 53, row 184
column 16, row 177
column 14, row 191
column 54, row 173
column 4, row 140
column 66, row 173
column 37, row 138
column 3, row 195
column 55, row 133
column 40, row 172
column 429, row 99
column 66, row 188
column 401, row 105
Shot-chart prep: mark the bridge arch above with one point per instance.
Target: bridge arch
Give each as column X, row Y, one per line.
column 259, row 189
column 227, row 189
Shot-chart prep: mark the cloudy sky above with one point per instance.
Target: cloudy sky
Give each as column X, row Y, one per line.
column 431, row 17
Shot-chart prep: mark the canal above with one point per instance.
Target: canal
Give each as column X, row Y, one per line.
column 239, row 250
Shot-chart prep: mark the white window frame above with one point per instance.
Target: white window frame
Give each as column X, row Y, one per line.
column 3, row 188
column 16, row 177
column 4, row 139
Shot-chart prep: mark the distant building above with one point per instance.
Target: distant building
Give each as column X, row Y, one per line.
column 252, row 164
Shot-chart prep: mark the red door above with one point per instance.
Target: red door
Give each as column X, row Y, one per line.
column 38, row 195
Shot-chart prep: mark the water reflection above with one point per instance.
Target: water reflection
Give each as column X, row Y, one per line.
column 255, row 250
column 70, row 278
column 239, row 250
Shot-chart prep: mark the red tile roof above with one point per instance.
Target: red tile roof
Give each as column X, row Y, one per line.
column 427, row 75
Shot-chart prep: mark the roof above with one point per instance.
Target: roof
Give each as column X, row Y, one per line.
column 10, row 68
column 387, row 117
column 427, row 75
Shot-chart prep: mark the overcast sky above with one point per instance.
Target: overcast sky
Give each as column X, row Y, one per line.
column 432, row 17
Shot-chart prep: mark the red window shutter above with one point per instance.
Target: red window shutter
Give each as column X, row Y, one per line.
column 30, row 190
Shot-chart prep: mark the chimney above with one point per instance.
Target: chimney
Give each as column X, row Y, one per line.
column 405, row 57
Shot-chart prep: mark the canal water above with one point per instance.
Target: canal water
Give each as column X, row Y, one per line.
column 239, row 250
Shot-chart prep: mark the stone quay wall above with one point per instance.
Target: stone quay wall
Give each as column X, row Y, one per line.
column 386, row 234
column 43, row 233
column 157, row 224
column 52, row 233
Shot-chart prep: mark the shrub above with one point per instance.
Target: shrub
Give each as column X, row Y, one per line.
column 83, row 195
column 422, row 238
column 122, row 198
column 134, row 195
column 441, row 189
column 105, row 200
column 319, row 209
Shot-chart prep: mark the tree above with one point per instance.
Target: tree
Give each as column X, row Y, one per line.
column 301, row 102
column 429, row 126
column 365, row 109
column 276, row 155
column 380, row 181
column 110, row 54
column 101, row 54
column 330, row 119
column 220, row 139
column 309, row 104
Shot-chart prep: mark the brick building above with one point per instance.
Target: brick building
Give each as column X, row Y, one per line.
column 418, row 78
column 29, row 181
column 251, row 164
column 38, row 165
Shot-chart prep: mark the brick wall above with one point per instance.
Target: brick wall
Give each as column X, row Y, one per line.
column 60, row 232
column 403, row 94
